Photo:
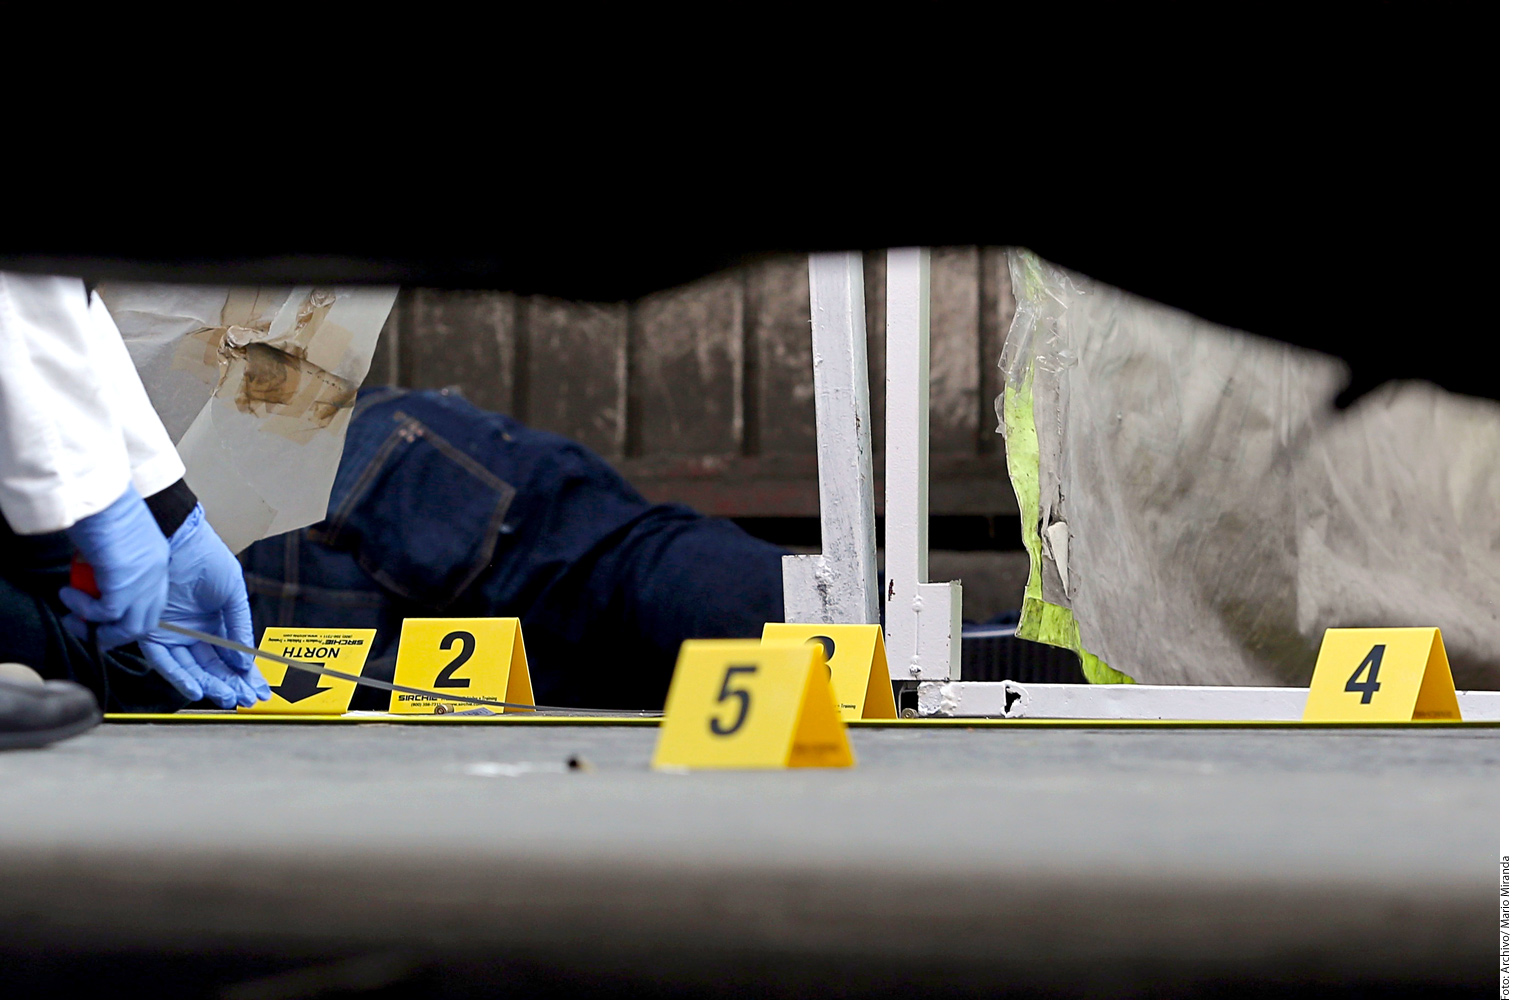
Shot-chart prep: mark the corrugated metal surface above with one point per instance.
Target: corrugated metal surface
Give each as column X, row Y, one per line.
column 703, row 393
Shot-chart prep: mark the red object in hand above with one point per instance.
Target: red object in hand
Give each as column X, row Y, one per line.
column 81, row 576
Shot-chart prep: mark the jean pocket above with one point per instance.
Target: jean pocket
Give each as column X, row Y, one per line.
column 422, row 517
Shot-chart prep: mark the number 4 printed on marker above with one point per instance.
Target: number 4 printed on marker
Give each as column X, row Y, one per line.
column 1369, row 687
column 1404, row 677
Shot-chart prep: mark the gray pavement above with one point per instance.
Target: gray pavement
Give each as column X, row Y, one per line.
column 1113, row 860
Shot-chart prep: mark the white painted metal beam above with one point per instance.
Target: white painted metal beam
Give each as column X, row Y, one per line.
column 1010, row 700
column 922, row 621
column 839, row 586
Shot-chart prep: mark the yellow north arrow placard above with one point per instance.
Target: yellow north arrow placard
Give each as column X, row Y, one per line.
column 1381, row 675
column 854, row 656
column 296, row 692
column 474, row 657
column 736, row 703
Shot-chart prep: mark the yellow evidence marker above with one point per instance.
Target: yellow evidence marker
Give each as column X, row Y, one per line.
column 854, row 656
column 1381, row 675
column 473, row 657
column 736, row 703
column 297, row 692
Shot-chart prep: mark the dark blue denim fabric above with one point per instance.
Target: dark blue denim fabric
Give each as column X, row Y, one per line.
column 440, row 508
column 33, row 568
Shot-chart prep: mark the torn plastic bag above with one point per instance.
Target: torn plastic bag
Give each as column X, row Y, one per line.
column 256, row 387
column 1197, row 511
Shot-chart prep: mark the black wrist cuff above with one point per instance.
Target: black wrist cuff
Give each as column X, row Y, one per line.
column 171, row 506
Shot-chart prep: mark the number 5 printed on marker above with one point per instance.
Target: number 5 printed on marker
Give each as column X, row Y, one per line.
column 742, row 696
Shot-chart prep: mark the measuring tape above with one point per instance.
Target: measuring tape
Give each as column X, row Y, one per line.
column 82, row 577
column 308, row 667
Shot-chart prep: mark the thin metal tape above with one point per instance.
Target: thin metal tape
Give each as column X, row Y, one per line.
column 216, row 640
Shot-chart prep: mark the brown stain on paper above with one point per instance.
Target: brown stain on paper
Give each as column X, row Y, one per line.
column 298, row 397
column 272, row 378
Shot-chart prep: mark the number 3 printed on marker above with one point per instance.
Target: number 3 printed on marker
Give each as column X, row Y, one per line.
column 742, row 695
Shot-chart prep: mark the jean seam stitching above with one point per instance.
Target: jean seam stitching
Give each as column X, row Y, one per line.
column 366, row 478
column 468, row 462
column 486, row 554
column 506, row 494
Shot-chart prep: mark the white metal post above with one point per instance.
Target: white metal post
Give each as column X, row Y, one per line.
column 1012, row 700
column 922, row 621
column 839, row 586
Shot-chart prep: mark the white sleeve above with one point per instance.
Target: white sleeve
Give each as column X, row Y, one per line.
column 155, row 465
column 62, row 455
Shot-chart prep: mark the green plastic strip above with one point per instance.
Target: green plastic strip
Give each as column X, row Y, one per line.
column 1041, row 621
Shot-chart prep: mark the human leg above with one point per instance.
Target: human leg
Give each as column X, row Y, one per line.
column 443, row 509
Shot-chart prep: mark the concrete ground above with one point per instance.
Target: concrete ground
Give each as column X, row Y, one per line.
column 251, row 860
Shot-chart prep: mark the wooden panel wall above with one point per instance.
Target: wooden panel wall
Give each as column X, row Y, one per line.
column 703, row 394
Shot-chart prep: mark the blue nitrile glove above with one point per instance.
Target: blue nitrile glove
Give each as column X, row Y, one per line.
column 206, row 593
column 130, row 557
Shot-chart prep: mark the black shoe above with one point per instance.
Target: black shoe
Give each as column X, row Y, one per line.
column 34, row 715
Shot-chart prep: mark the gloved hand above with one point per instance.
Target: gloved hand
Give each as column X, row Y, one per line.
column 130, row 558
column 206, row 593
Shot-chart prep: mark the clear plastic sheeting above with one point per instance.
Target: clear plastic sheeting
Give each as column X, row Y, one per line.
column 256, row 387
column 1197, row 512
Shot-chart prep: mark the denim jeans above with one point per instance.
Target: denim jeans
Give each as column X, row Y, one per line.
column 442, row 509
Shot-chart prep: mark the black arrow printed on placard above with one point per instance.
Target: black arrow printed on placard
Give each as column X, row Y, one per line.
column 299, row 685
column 374, row 682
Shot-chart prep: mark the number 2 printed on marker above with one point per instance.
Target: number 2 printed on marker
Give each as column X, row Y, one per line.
column 446, row 679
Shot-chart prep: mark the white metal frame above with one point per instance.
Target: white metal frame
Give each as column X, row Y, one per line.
column 923, row 621
column 839, row 586
column 1010, row 700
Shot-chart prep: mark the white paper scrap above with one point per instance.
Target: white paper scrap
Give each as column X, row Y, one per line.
column 256, row 387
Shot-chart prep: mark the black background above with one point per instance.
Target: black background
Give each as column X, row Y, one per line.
column 1324, row 179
